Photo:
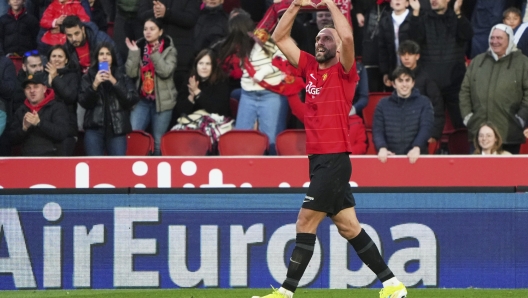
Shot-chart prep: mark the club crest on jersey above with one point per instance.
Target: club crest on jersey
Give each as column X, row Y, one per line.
column 325, row 76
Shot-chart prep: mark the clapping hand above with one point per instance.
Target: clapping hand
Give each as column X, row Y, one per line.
column 30, row 119
column 415, row 5
column 159, row 9
column 52, row 71
column 458, row 5
column 131, row 44
column 193, row 85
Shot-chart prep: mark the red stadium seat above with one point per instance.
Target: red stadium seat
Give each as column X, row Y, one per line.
column 243, row 142
column 524, row 148
column 368, row 111
column 185, row 143
column 139, row 143
column 458, row 142
column 371, row 150
column 17, row 61
column 291, row 142
column 433, row 147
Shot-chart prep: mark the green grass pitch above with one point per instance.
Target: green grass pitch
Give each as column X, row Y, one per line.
column 247, row 293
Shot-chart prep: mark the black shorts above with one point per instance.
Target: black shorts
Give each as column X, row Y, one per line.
column 329, row 189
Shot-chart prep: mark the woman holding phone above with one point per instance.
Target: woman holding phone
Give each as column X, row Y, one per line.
column 152, row 61
column 107, row 94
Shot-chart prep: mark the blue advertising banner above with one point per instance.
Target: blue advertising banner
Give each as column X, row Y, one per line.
column 244, row 240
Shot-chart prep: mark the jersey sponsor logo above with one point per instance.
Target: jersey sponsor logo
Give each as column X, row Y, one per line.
column 312, row 89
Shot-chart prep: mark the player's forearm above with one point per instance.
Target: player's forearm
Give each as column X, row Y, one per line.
column 340, row 23
column 285, row 24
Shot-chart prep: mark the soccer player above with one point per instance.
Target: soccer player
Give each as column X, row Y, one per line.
column 331, row 79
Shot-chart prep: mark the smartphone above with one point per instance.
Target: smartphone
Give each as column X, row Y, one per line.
column 104, row 66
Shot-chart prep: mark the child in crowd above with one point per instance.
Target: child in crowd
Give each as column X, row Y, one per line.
column 18, row 30
column 512, row 18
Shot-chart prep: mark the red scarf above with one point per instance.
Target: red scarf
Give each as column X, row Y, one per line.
column 383, row 1
column 83, row 52
column 48, row 96
column 148, row 72
column 16, row 16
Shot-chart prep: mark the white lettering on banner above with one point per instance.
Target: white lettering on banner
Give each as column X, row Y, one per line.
column 239, row 252
column 275, row 255
column 340, row 276
column 17, row 263
column 82, row 253
column 425, row 254
column 125, row 247
column 178, row 271
column 312, row 89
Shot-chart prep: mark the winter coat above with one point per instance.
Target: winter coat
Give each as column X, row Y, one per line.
column 117, row 100
column 213, row 98
column 164, row 65
column 66, row 86
column 443, row 40
column 428, row 88
column 94, row 38
column 210, row 27
column 18, row 35
column 44, row 139
column 497, row 91
column 56, row 10
column 388, row 58
column 178, row 23
column 8, row 84
column 403, row 123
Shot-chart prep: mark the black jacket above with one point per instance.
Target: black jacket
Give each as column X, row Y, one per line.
column 428, row 88
column 443, row 39
column 210, row 27
column 388, row 59
column 66, row 86
column 213, row 99
column 116, row 100
column 403, row 123
column 46, row 138
column 178, row 22
column 18, row 35
column 8, row 84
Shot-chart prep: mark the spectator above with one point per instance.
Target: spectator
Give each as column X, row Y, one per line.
column 7, row 88
column 41, row 124
column 211, row 25
column 207, row 88
column 152, row 62
column 257, row 103
column 82, row 40
column 37, row 7
column 107, row 97
column 178, row 18
column 409, row 53
column 402, row 122
column 360, row 100
column 512, row 18
column 393, row 29
column 488, row 141
column 53, row 18
column 442, row 34
column 127, row 24
column 495, row 89
column 98, row 17
column 237, row 40
column 32, row 62
column 322, row 20
column 64, row 78
column 18, row 29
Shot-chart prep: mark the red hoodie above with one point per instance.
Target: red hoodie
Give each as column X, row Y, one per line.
column 48, row 96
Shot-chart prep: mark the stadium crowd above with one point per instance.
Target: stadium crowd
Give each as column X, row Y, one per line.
column 77, row 76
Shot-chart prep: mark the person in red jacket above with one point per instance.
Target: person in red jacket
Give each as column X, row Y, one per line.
column 54, row 16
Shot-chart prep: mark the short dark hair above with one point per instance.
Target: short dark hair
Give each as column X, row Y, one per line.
column 32, row 53
column 408, row 47
column 402, row 70
column 70, row 22
column 95, row 55
column 513, row 10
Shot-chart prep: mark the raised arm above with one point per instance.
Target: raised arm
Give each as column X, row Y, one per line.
column 282, row 33
column 344, row 31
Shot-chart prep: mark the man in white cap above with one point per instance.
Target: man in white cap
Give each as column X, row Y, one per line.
column 495, row 89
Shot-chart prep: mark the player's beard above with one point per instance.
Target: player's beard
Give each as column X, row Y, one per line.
column 327, row 56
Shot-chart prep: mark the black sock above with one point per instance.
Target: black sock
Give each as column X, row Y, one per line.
column 368, row 253
column 300, row 257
